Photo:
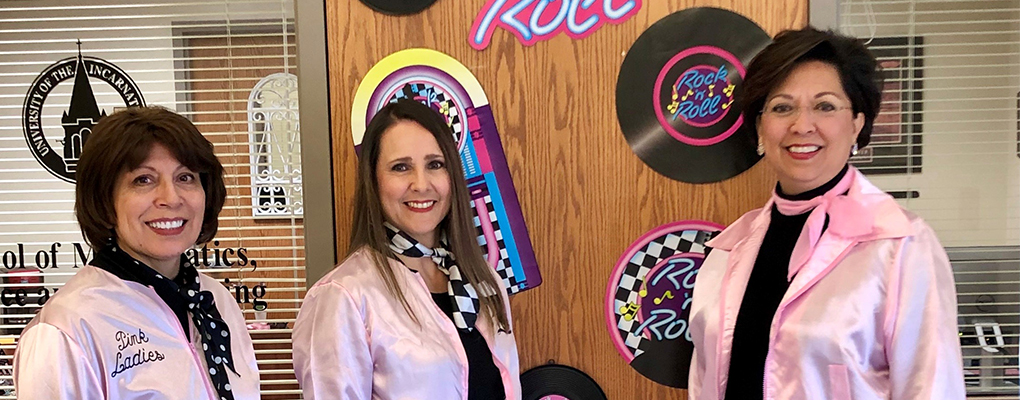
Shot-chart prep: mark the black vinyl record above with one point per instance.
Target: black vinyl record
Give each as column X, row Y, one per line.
column 398, row 7
column 559, row 382
column 675, row 91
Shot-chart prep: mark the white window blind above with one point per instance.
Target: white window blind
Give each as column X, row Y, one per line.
column 948, row 145
column 204, row 59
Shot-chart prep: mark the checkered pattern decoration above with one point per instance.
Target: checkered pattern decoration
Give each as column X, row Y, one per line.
column 657, row 250
column 503, row 266
column 437, row 99
column 463, row 294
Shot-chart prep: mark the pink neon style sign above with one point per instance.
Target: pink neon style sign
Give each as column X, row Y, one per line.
column 537, row 20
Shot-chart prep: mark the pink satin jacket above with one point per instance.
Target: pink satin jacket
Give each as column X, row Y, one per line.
column 101, row 337
column 354, row 341
column 872, row 316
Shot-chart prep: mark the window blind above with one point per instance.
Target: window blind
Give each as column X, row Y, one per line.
column 229, row 66
column 947, row 146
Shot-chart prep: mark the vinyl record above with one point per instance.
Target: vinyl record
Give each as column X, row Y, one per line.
column 398, row 7
column 559, row 382
column 675, row 91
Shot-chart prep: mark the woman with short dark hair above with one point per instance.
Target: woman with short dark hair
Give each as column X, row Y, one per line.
column 139, row 321
column 832, row 290
column 414, row 311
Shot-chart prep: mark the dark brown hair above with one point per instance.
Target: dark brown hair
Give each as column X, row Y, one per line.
column 367, row 229
column 120, row 143
column 857, row 68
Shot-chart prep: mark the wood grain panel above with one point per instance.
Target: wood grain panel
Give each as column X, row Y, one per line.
column 585, row 196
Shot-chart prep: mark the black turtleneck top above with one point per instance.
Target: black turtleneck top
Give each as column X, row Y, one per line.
column 765, row 290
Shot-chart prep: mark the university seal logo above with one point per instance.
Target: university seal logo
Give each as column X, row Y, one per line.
column 59, row 152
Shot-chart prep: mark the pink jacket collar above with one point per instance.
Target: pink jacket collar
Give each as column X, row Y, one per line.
column 865, row 213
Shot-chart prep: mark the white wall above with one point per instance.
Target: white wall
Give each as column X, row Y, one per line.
column 971, row 173
column 36, row 207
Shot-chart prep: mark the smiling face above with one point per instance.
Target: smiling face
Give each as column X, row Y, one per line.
column 414, row 184
column 159, row 208
column 808, row 127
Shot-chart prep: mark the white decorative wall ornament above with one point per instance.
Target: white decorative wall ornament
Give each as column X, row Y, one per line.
column 275, row 141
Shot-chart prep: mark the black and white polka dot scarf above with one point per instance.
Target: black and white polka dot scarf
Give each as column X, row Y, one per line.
column 214, row 332
column 464, row 296
column 201, row 307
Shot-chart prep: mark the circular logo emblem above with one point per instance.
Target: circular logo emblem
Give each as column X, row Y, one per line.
column 58, row 150
column 649, row 296
column 694, row 95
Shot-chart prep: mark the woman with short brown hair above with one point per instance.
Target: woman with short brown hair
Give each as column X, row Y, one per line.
column 139, row 321
column 832, row 290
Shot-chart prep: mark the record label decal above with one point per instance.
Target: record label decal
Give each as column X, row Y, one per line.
column 648, row 299
column 559, row 382
column 695, row 90
column 441, row 82
column 675, row 95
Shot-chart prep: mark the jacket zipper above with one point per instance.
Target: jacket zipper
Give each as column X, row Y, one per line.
column 191, row 346
column 778, row 317
column 508, row 389
column 492, row 350
column 447, row 323
column 765, row 375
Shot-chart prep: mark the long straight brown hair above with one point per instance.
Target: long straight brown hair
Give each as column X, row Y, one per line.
column 367, row 229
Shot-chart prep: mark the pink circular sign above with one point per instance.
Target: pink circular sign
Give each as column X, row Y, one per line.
column 649, row 295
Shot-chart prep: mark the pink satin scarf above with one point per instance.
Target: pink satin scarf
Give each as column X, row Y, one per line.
column 847, row 218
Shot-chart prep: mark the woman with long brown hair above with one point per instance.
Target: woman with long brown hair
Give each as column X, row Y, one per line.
column 414, row 311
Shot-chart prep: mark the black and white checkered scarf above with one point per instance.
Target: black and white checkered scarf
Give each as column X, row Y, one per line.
column 464, row 296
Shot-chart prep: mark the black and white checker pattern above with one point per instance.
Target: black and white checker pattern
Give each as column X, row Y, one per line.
column 462, row 293
column 660, row 248
column 503, row 266
column 412, row 90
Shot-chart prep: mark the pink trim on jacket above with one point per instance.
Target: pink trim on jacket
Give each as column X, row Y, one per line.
column 868, row 316
column 354, row 341
column 101, row 337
